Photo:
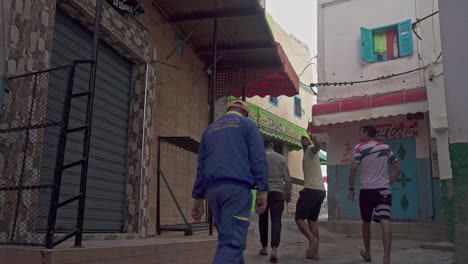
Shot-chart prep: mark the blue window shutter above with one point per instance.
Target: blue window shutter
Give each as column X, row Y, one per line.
column 297, row 106
column 367, row 45
column 405, row 38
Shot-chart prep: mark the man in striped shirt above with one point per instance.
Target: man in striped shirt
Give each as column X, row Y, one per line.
column 375, row 198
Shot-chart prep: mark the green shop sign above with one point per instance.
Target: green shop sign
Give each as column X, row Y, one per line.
column 275, row 127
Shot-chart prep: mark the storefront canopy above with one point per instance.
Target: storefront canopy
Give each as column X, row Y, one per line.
column 247, row 54
column 355, row 109
column 275, row 127
column 283, row 81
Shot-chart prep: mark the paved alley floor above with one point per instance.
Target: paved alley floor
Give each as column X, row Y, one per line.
column 340, row 249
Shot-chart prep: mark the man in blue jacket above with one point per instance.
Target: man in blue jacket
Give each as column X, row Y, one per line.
column 231, row 162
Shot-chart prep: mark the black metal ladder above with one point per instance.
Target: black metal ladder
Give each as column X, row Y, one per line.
column 60, row 165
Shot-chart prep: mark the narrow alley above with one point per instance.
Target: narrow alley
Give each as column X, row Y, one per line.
column 344, row 249
column 154, row 131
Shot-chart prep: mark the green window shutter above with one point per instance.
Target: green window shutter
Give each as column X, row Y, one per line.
column 405, row 38
column 367, row 45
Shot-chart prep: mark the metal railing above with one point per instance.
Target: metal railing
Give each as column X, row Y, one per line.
column 34, row 124
column 184, row 149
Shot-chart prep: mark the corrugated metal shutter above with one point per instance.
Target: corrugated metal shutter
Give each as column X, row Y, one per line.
column 108, row 155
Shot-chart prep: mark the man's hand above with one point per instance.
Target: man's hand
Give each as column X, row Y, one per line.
column 396, row 172
column 352, row 176
column 197, row 210
column 261, row 202
column 287, row 198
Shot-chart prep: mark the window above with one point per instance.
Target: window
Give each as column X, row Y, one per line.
column 274, row 100
column 387, row 43
column 297, row 107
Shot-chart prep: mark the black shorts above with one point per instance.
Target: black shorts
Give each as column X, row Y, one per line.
column 376, row 203
column 309, row 204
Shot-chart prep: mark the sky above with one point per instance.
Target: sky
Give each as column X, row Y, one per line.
column 298, row 17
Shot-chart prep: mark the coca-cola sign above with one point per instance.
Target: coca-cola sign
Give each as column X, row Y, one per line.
column 401, row 130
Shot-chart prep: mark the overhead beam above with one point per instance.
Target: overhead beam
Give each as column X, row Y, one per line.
column 185, row 18
column 209, row 50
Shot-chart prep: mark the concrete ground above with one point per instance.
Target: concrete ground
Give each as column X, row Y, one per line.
column 339, row 248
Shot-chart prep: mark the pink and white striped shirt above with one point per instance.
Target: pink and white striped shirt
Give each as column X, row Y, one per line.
column 374, row 158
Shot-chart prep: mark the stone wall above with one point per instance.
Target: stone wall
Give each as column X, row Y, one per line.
column 298, row 185
column 4, row 35
column 30, row 41
column 31, row 34
column 164, row 100
column 291, row 207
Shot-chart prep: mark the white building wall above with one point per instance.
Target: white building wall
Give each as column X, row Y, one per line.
column 340, row 57
column 455, row 37
column 339, row 47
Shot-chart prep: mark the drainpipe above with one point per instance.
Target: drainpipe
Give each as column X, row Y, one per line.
column 213, row 98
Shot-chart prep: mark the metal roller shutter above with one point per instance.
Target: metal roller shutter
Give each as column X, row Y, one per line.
column 108, row 155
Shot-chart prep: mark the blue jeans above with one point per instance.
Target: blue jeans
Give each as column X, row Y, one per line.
column 230, row 206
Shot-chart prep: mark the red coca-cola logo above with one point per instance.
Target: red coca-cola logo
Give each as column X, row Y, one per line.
column 401, row 130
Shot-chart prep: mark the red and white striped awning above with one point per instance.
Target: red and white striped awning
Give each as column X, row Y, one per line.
column 371, row 107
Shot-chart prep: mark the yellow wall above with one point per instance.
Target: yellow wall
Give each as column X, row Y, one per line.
column 299, row 56
column 180, row 110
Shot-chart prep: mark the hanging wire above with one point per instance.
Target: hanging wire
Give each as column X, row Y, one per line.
column 346, row 83
column 309, row 64
column 384, row 77
column 421, row 20
column 433, row 29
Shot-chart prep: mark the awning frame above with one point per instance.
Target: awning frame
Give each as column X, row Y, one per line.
column 275, row 61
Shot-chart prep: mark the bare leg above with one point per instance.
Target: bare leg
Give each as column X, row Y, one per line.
column 304, row 227
column 366, row 236
column 387, row 239
column 313, row 227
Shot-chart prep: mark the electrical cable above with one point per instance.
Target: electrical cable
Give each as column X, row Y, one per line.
column 307, row 66
column 375, row 79
column 433, row 29
column 421, row 20
column 366, row 81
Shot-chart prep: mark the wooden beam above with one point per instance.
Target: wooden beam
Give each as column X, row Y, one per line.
column 185, row 18
column 209, row 50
